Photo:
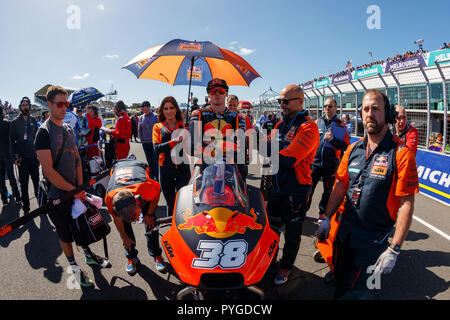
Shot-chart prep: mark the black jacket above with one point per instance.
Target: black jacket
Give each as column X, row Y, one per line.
column 4, row 138
column 18, row 146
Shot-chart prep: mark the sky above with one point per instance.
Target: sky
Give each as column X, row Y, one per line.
column 286, row 42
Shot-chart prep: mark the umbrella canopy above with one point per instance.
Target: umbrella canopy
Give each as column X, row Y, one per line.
column 182, row 62
column 82, row 97
column 245, row 105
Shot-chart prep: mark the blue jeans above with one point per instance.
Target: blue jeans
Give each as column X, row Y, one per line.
column 154, row 249
column 152, row 160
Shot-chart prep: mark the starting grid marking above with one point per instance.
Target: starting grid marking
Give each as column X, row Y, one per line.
column 432, row 227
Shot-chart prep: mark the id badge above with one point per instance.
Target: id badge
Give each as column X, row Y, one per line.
column 355, row 195
column 25, row 136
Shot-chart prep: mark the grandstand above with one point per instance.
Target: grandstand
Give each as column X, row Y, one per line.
column 420, row 83
column 39, row 96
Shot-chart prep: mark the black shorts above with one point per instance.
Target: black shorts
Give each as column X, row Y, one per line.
column 61, row 217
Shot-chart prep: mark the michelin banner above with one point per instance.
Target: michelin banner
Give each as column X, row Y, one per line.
column 433, row 169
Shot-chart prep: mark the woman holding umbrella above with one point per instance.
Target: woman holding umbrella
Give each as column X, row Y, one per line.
column 172, row 176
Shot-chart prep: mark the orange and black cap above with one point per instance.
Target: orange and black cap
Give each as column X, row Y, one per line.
column 216, row 83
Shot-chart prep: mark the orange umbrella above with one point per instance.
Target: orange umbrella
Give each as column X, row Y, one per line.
column 182, row 62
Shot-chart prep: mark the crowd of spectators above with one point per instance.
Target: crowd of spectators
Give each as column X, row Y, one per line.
column 397, row 57
column 445, row 46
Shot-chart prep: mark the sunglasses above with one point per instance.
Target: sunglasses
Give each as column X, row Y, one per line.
column 286, row 101
column 328, row 106
column 62, row 104
column 214, row 91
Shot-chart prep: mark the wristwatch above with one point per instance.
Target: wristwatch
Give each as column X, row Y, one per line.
column 395, row 247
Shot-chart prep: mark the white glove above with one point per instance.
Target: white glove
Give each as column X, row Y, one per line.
column 386, row 261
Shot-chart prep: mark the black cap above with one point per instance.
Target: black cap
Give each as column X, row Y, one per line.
column 25, row 99
column 145, row 104
column 216, row 83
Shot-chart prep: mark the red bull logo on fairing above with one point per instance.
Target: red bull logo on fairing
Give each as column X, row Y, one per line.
column 220, row 222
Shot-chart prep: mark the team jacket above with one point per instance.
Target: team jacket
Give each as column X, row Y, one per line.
column 122, row 132
column 410, row 137
column 326, row 156
column 299, row 140
column 132, row 175
column 384, row 176
column 206, row 119
column 21, row 137
column 163, row 143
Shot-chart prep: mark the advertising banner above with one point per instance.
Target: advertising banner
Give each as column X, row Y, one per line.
column 412, row 62
column 344, row 78
column 322, row 83
column 367, row 72
column 439, row 55
column 308, row 86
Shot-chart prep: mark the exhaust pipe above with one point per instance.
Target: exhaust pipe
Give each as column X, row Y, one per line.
column 186, row 291
column 256, row 290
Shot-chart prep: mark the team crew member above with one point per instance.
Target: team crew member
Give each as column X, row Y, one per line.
column 172, row 176
column 122, row 132
column 54, row 140
column 94, row 123
column 348, row 124
column 72, row 120
column 232, row 104
column 378, row 179
column 21, row 141
column 6, row 163
column 131, row 192
column 145, row 128
column 406, row 132
column 291, row 185
column 269, row 124
column 217, row 117
column 328, row 154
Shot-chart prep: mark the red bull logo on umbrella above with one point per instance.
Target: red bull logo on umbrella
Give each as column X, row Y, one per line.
column 220, row 222
column 190, row 46
column 196, row 73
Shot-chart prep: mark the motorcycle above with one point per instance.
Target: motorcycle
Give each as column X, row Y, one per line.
column 220, row 240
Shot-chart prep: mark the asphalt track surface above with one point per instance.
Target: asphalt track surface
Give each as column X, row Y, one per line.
column 33, row 267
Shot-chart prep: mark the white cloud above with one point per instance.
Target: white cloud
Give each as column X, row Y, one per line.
column 233, row 43
column 84, row 76
column 101, row 7
column 112, row 56
column 245, row 51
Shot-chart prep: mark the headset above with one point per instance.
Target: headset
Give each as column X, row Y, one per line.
column 390, row 114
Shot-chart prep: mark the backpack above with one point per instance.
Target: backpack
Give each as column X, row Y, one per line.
column 89, row 227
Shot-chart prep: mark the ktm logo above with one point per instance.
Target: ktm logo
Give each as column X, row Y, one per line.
column 5, row 230
column 272, row 247
column 169, row 249
column 220, row 222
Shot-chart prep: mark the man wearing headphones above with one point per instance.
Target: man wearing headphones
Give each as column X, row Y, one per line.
column 21, row 142
column 122, row 132
column 376, row 183
column 131, row 192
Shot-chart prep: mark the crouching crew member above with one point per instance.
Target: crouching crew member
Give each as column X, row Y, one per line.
column 173, row 176
column 131, row 192
column 377, row 180
column 291, row 185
